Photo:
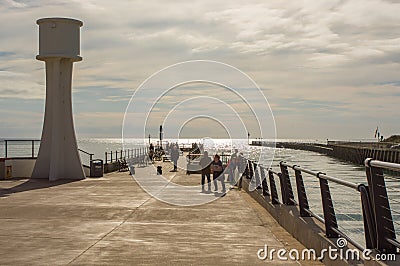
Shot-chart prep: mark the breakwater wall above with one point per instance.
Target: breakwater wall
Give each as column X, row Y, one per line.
column 355, row 152
column 358, row 155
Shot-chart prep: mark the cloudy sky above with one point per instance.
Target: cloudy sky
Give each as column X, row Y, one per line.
column 329, row 69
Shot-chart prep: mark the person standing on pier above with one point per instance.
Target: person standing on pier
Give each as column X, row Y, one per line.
column 175, row 157
column 205, row 163
column 151, row 152
column 241, row 166
column 232, row 168
column 218, row 173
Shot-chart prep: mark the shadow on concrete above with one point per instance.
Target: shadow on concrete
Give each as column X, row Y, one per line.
column 32, row 184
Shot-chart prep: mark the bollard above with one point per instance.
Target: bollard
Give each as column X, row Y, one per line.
column 159, row 170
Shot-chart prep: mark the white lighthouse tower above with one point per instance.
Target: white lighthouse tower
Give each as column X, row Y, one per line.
column 59, row 48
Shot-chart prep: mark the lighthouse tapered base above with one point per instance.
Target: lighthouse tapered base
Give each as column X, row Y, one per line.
column 58, row 156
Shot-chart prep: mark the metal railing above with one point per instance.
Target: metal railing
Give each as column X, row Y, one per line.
column 86, row 157
column 115, row 156
column 378, row 223
column 21, row 148
column 385, row 235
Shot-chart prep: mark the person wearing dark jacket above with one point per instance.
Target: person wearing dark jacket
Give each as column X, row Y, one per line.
column 175, row 157
column 218, row 170
column 205, row 163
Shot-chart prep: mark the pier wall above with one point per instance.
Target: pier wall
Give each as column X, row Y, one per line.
column 351, row 152
column 320, row 148
column 358, row 155
column 111, row 167
column 16, row 167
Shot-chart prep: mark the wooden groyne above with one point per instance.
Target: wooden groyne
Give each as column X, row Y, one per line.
column 355, row 152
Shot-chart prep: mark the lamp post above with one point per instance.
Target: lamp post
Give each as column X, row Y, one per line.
column 161, row 136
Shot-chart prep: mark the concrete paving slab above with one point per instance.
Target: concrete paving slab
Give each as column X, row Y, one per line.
column 112, row 221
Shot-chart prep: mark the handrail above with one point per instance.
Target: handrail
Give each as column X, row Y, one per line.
column 386, row 165
column 324, row 176
column 32, row 141
column 124, row 154
column 85, row 152
column 21, row 140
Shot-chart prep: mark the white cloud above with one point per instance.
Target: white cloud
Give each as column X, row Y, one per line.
column 13, row 4
column 313, row 50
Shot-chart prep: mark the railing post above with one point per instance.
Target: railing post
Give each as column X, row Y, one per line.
column 327, row 206
column 250, row 170
column 286, row 187
column 120, row 154
column 274, row 192
column 116, row 155
column 381, row 209
column 33, row 148
column 105, row 157
column 256, row 176
column 6, row 148
column 301, row 194
column 111, row 160
column 246, row 171
column 264, row 182
column 368, row 218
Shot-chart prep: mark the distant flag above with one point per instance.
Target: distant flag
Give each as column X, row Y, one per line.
column 376, row 132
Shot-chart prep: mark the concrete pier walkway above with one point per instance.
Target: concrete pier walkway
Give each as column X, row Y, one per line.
column 111, row 220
